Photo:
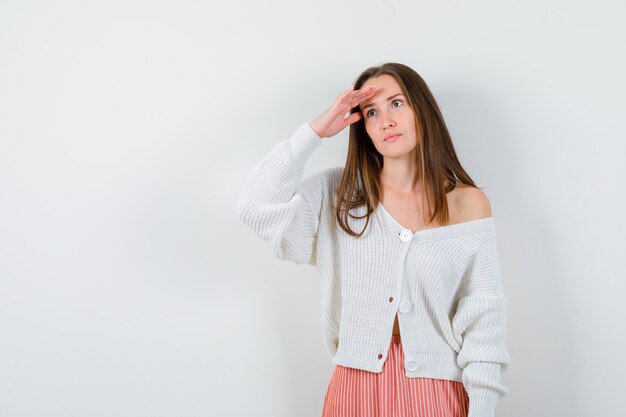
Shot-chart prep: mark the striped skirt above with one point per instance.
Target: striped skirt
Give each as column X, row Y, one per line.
column 358, row 393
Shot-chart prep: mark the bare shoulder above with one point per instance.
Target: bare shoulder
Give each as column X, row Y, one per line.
column 470, row 203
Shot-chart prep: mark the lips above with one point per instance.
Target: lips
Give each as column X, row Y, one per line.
column 392, row 137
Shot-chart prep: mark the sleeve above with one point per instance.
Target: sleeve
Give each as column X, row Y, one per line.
column 480, row 324
column 278, row 206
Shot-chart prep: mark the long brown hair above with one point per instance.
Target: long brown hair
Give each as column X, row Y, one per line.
column 436, row 158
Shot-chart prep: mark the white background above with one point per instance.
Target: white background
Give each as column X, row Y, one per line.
column 128, row 287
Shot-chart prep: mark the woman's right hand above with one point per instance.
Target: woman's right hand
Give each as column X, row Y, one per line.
column 333, row 120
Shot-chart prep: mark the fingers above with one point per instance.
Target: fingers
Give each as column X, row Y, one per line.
column 360, row 95
column 354, row 117
column 351, row 98
column 350, row 92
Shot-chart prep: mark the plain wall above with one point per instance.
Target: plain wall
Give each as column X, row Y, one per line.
column 128, row 287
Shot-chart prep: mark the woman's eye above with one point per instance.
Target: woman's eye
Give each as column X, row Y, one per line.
column 368, row 112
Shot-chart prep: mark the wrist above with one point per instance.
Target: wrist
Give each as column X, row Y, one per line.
column 316, row 129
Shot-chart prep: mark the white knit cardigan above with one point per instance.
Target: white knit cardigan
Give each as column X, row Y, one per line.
column 444, row 282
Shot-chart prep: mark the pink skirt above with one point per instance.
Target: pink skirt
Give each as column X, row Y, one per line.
column 358, row 393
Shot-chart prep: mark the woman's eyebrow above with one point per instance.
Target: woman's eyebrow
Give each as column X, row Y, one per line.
column 388, row 98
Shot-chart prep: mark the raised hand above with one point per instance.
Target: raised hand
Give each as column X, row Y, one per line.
column 333, row 120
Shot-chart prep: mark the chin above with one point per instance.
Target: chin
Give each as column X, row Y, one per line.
column 395, row 154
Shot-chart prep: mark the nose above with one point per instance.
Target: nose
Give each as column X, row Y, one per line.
column 387, row 121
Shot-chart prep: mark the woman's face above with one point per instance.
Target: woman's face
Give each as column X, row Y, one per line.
column 386, row 113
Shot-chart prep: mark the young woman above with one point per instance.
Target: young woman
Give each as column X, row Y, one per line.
column 425, row 268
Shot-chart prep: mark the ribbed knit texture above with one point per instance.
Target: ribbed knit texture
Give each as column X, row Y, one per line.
column 444, row 282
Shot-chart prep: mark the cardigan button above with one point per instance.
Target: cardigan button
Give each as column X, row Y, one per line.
column 380, row 356
column 406, row 235
column 390, row 299
column 404, row 307
column 411, row 365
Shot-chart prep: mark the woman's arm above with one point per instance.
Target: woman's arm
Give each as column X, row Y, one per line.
column 480, row 323
column 278, row 206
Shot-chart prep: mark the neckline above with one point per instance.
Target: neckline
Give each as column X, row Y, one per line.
column 440, row 232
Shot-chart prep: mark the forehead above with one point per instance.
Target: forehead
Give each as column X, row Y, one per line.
column 385, row 85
